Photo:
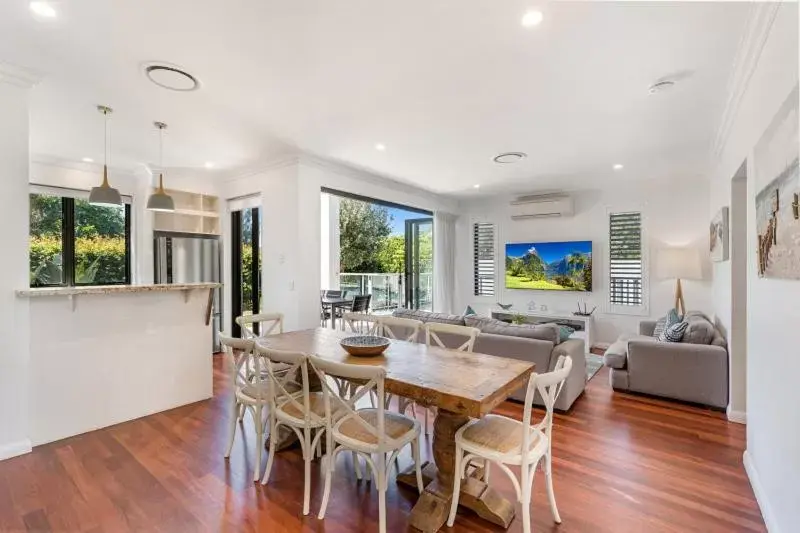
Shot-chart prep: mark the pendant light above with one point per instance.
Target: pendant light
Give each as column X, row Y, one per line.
column 160, row 200
column 105, row 194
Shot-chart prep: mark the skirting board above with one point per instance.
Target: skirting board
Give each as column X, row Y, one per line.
column 13, row 449
column 761, row 498
column 739, row 417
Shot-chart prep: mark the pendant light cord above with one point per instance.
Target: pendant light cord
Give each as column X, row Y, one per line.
column 105, row 137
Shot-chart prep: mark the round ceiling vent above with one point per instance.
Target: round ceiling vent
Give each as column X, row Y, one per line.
column 510, row 157
column 171, row 77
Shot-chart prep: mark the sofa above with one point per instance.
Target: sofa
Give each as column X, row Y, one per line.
column 538, row 344
column 694, row 370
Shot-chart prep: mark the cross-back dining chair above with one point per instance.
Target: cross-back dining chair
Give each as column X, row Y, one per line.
column 360, row 323
column 367, row 432
column 434, row 329
column 268, row 324
column 406, row 329
column 504, row 441
column 250, row 391
column 292, row 405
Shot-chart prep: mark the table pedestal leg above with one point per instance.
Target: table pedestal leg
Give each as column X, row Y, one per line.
column 431, row 510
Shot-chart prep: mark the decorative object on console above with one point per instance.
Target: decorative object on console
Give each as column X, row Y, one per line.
column 584, row 311
column 678, row 264
column 718, row 236
column 777, row 178
column 504, row 307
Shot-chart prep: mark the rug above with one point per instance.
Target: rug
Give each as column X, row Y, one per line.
column 594, row 363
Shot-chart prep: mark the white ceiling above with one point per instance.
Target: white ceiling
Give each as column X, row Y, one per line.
column 444, row 85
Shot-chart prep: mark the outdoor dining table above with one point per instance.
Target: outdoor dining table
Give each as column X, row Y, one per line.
column 460, row 384
column 335, row 303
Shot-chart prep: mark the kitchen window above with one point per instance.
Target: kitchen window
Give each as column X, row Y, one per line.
column 75, row 243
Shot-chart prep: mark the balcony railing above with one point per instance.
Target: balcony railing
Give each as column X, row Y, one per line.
column 387, row 290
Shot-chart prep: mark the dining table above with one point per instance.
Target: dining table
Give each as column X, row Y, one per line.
column 461, row 385
column 334, row 303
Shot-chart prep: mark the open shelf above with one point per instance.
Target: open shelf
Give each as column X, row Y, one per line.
column 194, row 213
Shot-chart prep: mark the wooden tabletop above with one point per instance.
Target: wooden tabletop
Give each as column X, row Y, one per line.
column 328, row 300
column 469, row 384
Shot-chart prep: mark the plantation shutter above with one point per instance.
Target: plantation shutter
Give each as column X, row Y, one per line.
column 484, row 260
column 625, row 265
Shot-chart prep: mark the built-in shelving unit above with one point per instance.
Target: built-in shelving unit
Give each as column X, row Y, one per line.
column 194, row 213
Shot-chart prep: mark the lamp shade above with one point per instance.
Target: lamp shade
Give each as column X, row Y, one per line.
column 160, row 201
column 678, row 263
column 105, row 194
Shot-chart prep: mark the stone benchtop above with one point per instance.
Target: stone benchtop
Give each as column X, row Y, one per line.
column 112, row 289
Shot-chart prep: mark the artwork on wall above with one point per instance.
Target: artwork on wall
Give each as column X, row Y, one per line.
column 718, row 236
column 777, row 180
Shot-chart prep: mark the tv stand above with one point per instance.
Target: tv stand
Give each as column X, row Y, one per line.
column 583, row 325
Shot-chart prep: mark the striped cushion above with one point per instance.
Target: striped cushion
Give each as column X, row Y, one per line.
column 674, row 333
column 661, row 325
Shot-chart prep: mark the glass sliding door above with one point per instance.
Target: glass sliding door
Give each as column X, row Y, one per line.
column 419, row 263
column 245, row 265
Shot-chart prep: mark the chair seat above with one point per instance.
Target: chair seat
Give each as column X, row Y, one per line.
column 498, row 434
column 294, row 413
column 249, row 395
column 396, row 426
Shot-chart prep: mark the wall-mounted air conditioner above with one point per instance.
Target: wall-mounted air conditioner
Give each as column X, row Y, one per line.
column 542, row 206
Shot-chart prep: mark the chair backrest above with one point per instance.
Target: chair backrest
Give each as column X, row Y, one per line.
column 283, row 380
column 268, row 323
column 370, row 378
column 361, row 303
column 332, row 294
column 406, row 329
column 433, row 329
column 549, row 387
column 245, row 368
column 360, row 323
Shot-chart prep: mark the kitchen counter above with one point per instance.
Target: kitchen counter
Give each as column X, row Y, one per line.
column 112, row 289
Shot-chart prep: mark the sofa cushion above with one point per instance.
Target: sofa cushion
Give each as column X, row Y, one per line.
column 425, row 316
column 661, row 325
column 545, row 332
column 674, row 333
column 699, row 330
column 616, row 355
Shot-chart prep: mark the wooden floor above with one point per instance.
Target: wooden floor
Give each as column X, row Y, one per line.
column 622, row 464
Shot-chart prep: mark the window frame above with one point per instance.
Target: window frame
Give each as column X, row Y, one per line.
column 618, row 309
column 475, row 267
column 68, row 197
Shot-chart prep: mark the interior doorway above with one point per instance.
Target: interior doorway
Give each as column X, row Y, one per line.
column 737, row 406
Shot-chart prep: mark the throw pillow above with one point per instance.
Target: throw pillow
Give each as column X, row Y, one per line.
column 674, row 333
column 564, row 333
column 469, row 311
column 673, row 317
column 661, row 325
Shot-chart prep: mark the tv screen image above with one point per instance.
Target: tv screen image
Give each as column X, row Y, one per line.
column 557, row 266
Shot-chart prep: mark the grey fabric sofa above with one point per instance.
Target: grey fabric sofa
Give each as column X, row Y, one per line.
column 507, row 340
column 695, row 370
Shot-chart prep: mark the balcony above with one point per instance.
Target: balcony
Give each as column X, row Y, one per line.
column 388, row 290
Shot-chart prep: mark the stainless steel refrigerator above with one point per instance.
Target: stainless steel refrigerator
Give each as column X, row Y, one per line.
column 181, row 258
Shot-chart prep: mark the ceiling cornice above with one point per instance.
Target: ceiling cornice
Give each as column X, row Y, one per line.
column 19, row 76
column 759, row 24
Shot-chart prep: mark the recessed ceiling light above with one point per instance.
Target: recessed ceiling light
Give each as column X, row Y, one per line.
column 532, row 18
column 618, row 166
column 509, row 157
column 477, row 186
column 209, row 164
column 87, row 160
column 43, row 9
column 661, row 86
column 171, row 77
column 380, row 147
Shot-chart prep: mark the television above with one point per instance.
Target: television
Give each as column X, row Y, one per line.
column 556, row 266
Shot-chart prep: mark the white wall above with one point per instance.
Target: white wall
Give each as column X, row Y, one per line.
column 14, row 321
column 773, row 425
column 674, row 214
column 290, row 232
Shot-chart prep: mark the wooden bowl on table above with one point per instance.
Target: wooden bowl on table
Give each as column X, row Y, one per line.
column 365, row 345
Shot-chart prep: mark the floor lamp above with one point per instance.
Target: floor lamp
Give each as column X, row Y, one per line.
column 678, row 264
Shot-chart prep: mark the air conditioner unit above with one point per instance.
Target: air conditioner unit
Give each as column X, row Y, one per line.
column 542, row 206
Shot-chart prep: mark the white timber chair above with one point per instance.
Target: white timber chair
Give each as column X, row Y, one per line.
column 251, row 391
column 367, row 432
column 404, row 329
column 292, row 405
column 505, row 441
column 268, row 322
column 360, row 323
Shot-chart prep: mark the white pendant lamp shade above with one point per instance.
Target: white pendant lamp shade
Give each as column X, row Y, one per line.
column 105, row 194
column 160, row 200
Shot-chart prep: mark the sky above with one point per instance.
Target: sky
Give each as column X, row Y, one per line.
column 549, row 251
column 399, row 217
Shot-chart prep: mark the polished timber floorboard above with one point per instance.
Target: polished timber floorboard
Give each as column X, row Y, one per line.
column 622, row 463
